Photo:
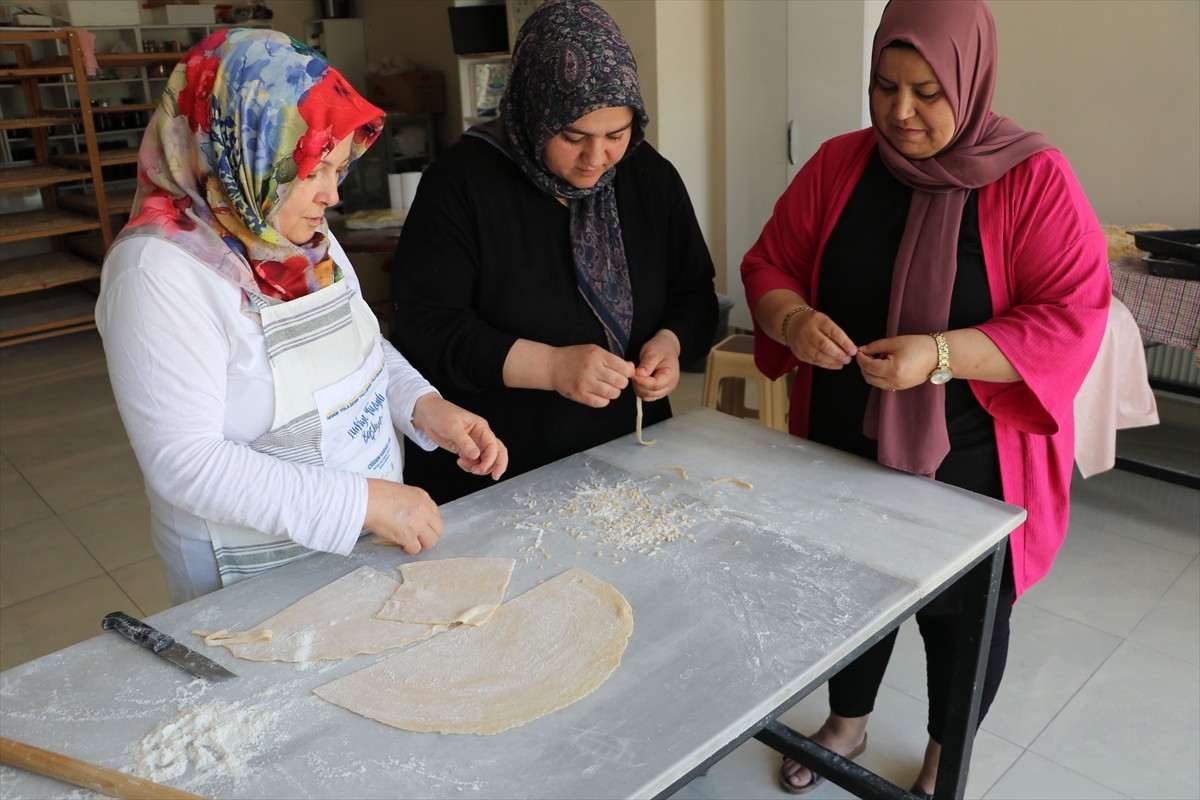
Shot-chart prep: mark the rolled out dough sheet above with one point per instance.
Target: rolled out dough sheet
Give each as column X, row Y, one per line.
column 539, row 652
column 336, row 621
column 449, row 591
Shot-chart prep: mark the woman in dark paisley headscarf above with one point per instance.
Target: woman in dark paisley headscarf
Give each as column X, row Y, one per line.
column 552, row 258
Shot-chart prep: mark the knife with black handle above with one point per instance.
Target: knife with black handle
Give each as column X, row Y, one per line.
column 164, row 646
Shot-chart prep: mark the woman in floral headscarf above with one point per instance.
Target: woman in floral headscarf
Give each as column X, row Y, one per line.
column 551, row 267
column 261, row 401
column 942, row 284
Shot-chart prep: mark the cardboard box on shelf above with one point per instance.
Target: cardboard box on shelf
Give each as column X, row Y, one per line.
column 414, row 92
column 176, row 14
column 88, row 12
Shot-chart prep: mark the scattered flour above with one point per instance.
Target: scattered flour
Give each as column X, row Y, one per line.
column 218, row 738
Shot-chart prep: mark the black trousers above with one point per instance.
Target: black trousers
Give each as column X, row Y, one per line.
column 852, row 691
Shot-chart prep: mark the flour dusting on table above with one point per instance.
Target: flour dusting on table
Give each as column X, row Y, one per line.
column 218, row 738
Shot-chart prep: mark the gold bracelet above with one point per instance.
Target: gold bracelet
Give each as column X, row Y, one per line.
column 783, row 329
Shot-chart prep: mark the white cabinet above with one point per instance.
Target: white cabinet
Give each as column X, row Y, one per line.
column 477, row 82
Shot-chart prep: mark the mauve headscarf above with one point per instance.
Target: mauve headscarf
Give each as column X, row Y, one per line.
column 958, row 39
column 570, row 59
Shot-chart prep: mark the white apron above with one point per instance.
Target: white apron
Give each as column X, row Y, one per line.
column 331, row 410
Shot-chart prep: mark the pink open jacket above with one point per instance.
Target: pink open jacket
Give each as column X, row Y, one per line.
column 1046, row 260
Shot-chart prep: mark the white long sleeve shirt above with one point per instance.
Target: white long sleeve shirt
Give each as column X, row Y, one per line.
column 193, row 386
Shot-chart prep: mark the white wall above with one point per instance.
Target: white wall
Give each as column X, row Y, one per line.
column 1116, row 86
column 754, row 152
column 685, row 101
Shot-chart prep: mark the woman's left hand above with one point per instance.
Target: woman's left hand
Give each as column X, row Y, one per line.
column 465, row 434
column 657, row 372
column 900, row 362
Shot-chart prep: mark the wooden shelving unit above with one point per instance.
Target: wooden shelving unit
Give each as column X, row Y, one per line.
column 57, row 219
column 22, row 316
column 68, row 151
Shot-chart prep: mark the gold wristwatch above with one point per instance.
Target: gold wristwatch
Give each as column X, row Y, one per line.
column 942, row 372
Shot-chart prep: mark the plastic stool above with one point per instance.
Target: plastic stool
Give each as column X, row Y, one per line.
column 730, row 365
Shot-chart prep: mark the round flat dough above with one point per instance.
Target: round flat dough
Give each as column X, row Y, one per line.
column 538, row 653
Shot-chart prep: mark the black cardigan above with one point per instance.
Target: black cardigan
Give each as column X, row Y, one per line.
column 484, row 259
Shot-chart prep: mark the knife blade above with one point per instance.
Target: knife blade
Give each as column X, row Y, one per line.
column 164, row 646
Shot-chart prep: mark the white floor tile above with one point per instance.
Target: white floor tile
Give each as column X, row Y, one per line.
column 85, row 432
column 1133, row 727
column 21, row 504
column 1106, row 580
column 1173, row 625
column 115, row 531
column 1156, row 512
column 1049, row 659
column 688, row 793
column 40, row 557
column 87, row 478
column 1036, row 778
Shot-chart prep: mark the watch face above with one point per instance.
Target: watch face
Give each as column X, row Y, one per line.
column 941, row 376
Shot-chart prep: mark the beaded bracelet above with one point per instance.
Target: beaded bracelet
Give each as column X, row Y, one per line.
column 783, row 329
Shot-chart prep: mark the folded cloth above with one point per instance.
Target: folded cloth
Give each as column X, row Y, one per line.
column 87, row 47
column 1115, row 394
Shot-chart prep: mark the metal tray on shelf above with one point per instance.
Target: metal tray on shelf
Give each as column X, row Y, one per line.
column 1178, row 244
column 1172, row 268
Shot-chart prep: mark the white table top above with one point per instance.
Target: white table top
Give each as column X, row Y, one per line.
column 766, row 590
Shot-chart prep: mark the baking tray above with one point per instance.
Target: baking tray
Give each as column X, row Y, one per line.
column 1172, row 268
column 1183, row 244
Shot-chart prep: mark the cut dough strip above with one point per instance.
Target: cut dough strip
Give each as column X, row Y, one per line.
column 449, row 591
column 639, row 425
column 540, row 652
column 334, row 622
column 224, row 637
column 738, row 481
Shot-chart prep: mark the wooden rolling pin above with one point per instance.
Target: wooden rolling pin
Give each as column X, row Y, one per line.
column 81, row 773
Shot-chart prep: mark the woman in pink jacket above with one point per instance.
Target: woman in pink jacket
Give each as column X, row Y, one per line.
column 941, row 283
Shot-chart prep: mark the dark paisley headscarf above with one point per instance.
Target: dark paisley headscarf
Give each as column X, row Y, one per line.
column 958, row 39
column 570, row 59
column 245, row 115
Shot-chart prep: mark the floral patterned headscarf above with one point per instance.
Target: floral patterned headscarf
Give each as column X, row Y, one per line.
column 245, row 115
column 570, row 59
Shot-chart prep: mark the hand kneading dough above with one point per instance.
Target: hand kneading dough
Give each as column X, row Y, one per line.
column 449, row 591
column 333, row 622
column 538, row 653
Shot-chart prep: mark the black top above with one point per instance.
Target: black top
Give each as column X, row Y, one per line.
column 855, row 286
column 485, row 258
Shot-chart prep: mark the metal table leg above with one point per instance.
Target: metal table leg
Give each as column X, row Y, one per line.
column 981, row 589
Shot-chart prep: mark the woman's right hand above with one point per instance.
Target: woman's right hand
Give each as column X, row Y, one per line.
column 403, row 514
column 814, row 338
column 589, row 374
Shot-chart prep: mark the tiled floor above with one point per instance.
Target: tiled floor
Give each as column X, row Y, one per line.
column 1101, row 698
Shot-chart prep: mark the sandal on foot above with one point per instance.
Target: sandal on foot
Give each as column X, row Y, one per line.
column 816, row 780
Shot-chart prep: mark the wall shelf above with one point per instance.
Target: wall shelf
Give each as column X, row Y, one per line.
column 68, row 144
column 29, row 59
